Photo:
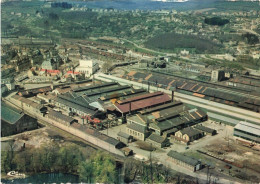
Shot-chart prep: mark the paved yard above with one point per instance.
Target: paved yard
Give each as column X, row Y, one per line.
column 112, row 132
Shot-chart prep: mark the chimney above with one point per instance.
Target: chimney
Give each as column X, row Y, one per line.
column 130, row 108
column 148, row 86
column 83, row 122
column 172, row 95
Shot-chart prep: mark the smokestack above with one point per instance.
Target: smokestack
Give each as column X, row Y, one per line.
column 172, row 95
column 148, row 86
column 130, row 108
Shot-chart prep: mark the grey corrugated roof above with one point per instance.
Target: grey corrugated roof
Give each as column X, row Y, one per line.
column 171, row 123
column 137, row 127
column 91, row 87
column 183, row 158
column 204, row 129
column 111, row 140
column 173, row 130
column 123, row 134
column 78, row 101
column 61, row 116
column 9, row 114
column 138, row 119
column 29, row 102
column 162, row 107
column 156, row 138
column 248, row 127
column 77, row 105
column 223, row 118
column 189, row 131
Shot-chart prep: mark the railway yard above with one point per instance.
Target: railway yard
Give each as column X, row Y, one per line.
column 147, row 110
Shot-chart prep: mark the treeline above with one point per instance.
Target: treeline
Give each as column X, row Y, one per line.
column 216, row 21
column 247, row 59
column 91, row 167
column 64, row 5
column 171, row 41
column 43, row 159
column 151, row 172
column 101, row 168
column 251, row 39
column 147, row 173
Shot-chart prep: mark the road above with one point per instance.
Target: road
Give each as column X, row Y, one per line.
column 199, row 102
column 149, row 50
column 250, row 31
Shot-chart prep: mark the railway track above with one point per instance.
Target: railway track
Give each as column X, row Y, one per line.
column 209, row 105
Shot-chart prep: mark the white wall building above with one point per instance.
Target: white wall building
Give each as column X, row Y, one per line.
column 87, row 66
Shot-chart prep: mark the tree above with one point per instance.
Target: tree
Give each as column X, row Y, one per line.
column 251, row 39
column 106, row 66
column 22, row 162
column 101, row 168
column 104, row 168
column 86, row 171
column 5, row 161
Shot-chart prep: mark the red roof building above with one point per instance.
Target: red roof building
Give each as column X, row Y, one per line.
column 51, row 71
column 141, row 102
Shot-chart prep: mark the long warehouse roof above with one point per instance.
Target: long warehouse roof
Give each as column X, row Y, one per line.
column 248, row 127
column 141, row 103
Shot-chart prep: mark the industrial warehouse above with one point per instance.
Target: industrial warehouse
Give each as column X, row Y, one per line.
column 247, row 131
column 139, row 118
column 185, row 161
column 151, row 116
column 136, row 91
column 196, row 88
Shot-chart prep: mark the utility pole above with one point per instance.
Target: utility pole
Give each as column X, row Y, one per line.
column 107, row 122
column 156, row 84
column 93, row 80
column 228, row 141
column 22, row 107
column 151, row 166
column 207, row 174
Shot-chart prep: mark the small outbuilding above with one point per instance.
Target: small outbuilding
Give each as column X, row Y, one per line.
column 185, row 161
column 61, row 118
column 208, row 131
column 188, row 134
column 170, row 132
column 127, row 151
column 124, row 137
column 158, row 141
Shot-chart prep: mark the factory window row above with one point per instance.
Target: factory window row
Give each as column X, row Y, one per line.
column 248, row 133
